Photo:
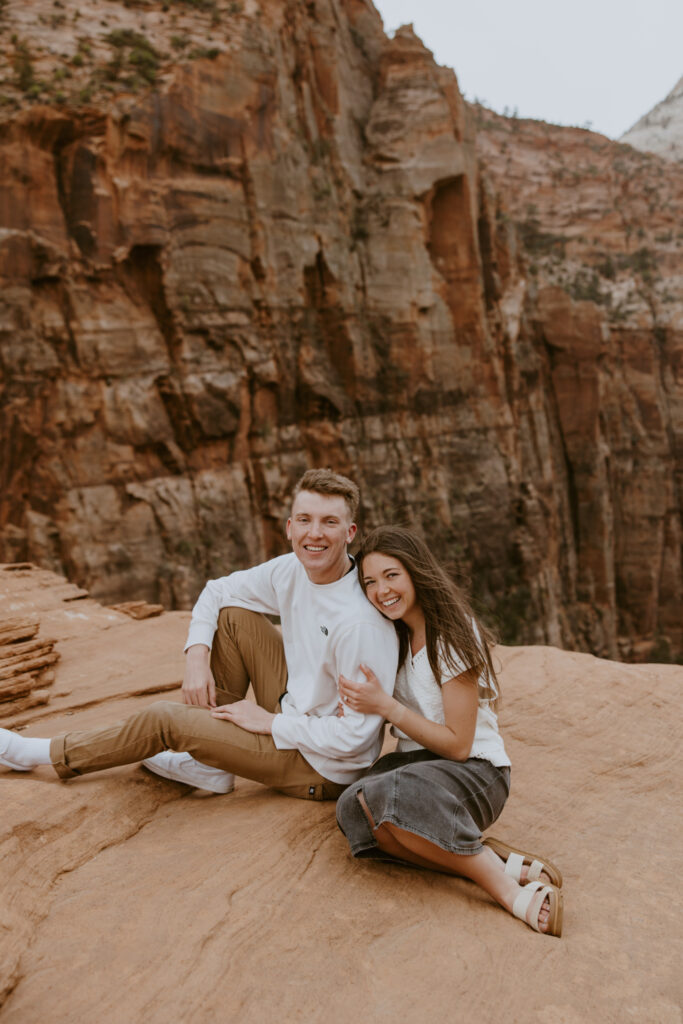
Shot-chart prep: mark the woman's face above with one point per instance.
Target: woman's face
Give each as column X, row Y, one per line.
column 388, row 586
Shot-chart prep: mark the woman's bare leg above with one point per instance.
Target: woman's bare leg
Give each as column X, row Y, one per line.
column 485, row 868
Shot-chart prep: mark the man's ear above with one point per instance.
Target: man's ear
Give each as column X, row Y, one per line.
column 352, row 533
column 288, row 529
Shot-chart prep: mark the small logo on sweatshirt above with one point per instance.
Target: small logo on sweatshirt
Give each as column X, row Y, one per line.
column 323, row 629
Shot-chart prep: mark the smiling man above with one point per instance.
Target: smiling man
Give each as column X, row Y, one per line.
column 291, row 738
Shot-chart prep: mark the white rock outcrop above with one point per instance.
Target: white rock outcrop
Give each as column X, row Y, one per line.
column 661, row 130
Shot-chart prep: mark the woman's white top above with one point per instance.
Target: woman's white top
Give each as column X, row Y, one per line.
column 417, row 688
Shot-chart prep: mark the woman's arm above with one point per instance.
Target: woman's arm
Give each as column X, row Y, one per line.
column 460, row 703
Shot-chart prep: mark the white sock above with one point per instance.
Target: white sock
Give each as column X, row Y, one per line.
column 24, row 751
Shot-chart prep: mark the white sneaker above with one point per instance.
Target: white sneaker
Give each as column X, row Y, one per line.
column 183, row 768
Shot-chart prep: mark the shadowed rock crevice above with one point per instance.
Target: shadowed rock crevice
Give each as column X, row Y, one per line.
column 452, row 247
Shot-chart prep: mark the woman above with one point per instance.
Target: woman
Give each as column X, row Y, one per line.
column 448, row 780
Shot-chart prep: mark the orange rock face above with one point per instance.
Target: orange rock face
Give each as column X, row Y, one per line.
column 286, row 256
column 600, row 227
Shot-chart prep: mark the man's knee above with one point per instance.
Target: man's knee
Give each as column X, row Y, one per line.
column 164, row 716
column 233, row 618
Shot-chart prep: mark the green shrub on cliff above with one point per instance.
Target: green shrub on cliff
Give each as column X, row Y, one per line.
column 643, row 262
column 200, row 5
column 23, row 65
column 204, row 53
column 534, row 239
column 586, row 286
column 132, row 50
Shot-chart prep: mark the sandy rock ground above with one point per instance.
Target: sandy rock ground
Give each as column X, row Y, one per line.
column 127, row 898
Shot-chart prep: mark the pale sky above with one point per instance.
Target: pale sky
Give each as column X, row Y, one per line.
column 602, row 61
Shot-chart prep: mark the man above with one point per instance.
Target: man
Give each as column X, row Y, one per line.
column 292, row 737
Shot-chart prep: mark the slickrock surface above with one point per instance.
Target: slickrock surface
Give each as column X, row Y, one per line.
column 241, row 239
column 660, row 131
column 128, row 898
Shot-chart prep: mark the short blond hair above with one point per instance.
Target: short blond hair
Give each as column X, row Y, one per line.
column 324, row 481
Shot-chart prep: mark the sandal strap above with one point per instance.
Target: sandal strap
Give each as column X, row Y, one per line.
column 513, row 866
column 537, row 866
column 531, row 898
column 515, row 863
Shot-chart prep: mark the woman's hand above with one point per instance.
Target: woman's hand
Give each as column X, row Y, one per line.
column 247, row 715
column 368, row 697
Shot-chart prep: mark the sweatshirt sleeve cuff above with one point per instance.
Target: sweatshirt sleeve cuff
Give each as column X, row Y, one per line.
column 199, row 634
column 283, row 732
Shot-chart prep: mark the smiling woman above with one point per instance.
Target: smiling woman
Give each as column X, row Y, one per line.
column 429, row 802
column 388, row 585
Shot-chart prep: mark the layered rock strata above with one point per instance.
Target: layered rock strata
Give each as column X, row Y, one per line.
column 599, row 227
column 285, row 254
column 26, row 664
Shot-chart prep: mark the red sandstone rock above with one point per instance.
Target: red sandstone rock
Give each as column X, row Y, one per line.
column 129, row 898
column 138, row 609
column 289, row 255
column 25, row 662
column 599, row 225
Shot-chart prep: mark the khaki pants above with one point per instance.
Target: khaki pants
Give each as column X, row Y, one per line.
column 246, row 648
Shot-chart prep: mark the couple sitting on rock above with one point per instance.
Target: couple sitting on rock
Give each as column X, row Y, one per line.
column 388, row 637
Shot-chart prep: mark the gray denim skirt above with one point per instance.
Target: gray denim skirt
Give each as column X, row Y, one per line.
column 450, row 803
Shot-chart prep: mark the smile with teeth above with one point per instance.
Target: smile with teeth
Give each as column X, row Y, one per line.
column 312, row 547
column 388, row 604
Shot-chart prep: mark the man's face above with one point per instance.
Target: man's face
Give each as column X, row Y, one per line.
column 320, row 529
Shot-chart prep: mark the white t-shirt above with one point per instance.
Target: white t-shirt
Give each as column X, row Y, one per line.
column 417, row 688
column 327, row 630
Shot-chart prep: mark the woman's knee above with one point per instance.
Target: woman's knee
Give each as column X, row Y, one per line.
column 347, row 804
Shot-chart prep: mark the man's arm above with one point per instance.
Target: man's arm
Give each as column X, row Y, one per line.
column 354, row 733
column 199, row 686
column 249, row 588
column 253, row 589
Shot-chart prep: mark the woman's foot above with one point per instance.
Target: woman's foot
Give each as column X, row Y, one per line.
column 540, row 906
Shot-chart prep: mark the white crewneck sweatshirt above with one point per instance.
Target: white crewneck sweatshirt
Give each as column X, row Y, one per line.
column 328, row 630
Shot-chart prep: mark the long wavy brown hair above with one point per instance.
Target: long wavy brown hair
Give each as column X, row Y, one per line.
column 449, row 619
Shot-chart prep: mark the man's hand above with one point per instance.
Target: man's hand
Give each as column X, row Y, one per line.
column 367, row 697
column 199, row 687
column 247, row 715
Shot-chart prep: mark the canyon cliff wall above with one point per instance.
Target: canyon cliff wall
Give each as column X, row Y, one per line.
column 283, row 252
column 599, row 227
